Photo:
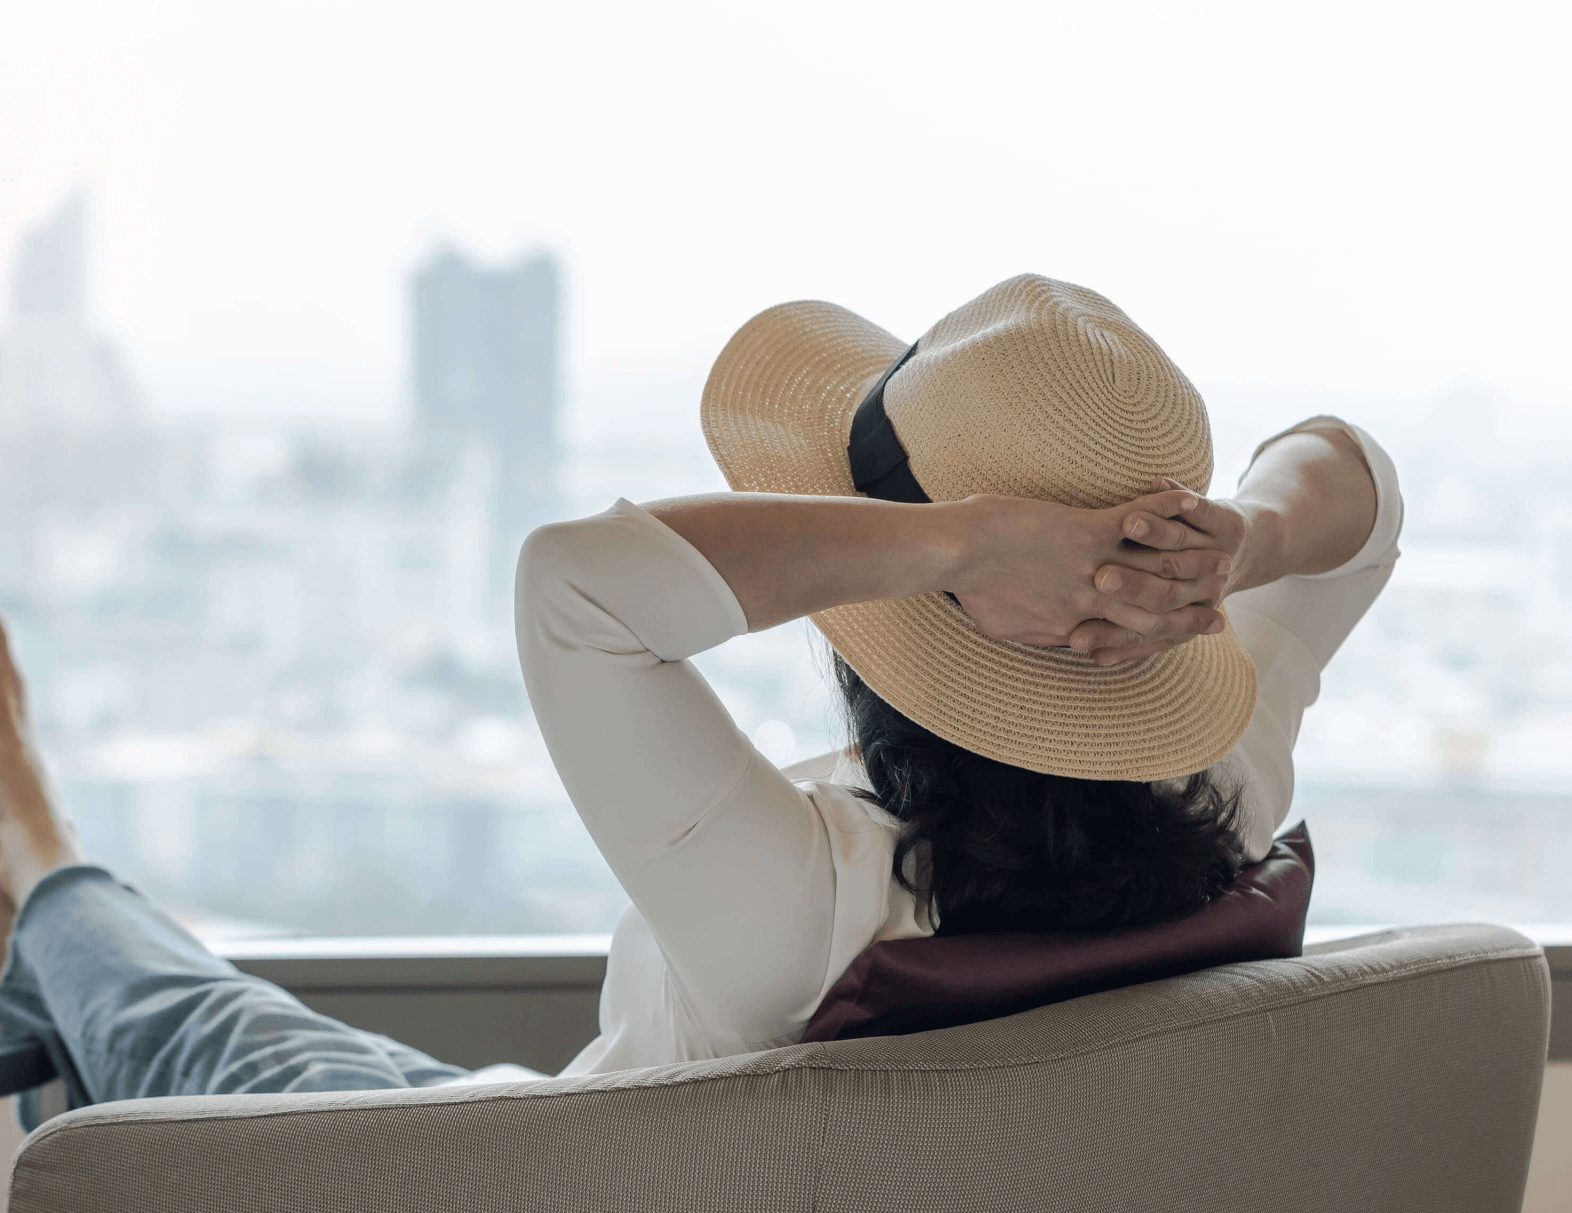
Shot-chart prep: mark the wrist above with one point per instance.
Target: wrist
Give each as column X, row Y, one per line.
column 964, row 539
column 1259, row 560
column 954, row 544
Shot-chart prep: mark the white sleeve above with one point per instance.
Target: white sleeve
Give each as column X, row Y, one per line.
column 727, row 860
column 1291, row 628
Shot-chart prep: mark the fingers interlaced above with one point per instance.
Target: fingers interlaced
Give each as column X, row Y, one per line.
column 1167, row 499
column 1147, row 624
column 1126, row 627
column 1108, row 644
column 1156, row 592
column 1206, row 516
column 1159, row 594
column 1191, row 565
column 1144, row 590
column 1153, row 531
column 1099, row 634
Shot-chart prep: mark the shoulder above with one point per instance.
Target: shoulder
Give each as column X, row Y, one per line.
column 845, row 811
column 837, row 784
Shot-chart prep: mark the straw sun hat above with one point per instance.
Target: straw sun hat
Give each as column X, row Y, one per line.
column 1034, row 389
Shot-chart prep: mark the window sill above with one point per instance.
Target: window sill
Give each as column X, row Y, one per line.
column 475, row 999
column 571, row 960
column 424, row 961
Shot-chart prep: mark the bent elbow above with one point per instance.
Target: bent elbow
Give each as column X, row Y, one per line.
column 544, row 588
column 553, row 607
column 544, row 557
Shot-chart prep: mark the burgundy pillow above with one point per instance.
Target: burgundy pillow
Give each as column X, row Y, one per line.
column 914, row 985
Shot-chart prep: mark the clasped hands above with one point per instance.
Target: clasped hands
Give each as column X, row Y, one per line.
column 1118, row 584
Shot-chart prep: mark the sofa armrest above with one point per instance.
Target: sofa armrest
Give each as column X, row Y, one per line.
column 1398, row 1072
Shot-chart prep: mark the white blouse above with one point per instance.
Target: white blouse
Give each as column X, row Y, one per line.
column 753, row 888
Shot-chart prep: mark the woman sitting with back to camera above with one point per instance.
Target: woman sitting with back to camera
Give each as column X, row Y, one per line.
column 1055, row 726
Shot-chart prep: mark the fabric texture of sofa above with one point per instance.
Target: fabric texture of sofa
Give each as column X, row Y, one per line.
column 1396, row 1072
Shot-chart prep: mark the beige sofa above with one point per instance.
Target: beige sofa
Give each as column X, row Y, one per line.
column 1398, row 1071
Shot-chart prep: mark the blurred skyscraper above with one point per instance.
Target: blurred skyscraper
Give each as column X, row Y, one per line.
column 72, row 439
column 56, row 373
column 486, row 369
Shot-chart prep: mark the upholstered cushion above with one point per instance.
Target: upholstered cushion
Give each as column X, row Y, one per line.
column 913, row 985
column 1397, row 1072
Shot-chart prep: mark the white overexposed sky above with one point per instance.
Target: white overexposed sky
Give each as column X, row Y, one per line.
column 1368, row 197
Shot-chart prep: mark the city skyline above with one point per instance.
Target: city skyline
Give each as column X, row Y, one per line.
column 275, row 676
column 670, row 399
column 486, row 387
column 1372, row 213
column 57, row 371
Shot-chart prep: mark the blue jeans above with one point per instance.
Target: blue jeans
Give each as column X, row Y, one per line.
column 130, row 1005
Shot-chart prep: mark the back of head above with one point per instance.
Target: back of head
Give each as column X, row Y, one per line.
column 1036, row 389
column 994, row 847
column 1038, row 790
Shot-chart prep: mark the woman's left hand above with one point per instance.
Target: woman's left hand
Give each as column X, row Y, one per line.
column 1154, row 574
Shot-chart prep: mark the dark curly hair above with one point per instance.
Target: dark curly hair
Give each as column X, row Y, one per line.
column 991, row 847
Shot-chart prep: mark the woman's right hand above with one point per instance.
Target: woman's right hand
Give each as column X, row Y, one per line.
column 1160, row 571
column 1041, row 573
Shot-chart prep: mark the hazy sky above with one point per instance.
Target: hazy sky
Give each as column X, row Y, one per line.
column 1369, row 197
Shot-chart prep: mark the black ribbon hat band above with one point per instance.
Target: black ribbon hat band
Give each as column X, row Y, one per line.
column 879, row 464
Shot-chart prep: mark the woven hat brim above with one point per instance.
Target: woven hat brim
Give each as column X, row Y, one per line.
column 777, row 411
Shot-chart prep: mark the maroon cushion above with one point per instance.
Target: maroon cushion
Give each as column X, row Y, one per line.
column 913, row 985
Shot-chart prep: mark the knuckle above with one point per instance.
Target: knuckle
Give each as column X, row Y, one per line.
column 1089, row 602
column 1097, row 638
column 1071, row 620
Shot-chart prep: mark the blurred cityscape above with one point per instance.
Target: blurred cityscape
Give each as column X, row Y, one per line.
column 272, row 663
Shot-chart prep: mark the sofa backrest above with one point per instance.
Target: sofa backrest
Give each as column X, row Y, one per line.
column 1396, row 1072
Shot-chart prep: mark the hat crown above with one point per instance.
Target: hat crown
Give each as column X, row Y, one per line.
column 1036, row 388
column 1039, row 388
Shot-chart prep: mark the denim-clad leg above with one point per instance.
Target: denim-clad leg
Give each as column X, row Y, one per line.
column 129, row 1005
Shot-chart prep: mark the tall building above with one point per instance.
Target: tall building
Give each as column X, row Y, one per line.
column 486, row 376
column 48, row 275
column 56, row 373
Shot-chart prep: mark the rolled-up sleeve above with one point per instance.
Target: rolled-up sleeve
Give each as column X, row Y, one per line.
column 727, row 860
column 1292, row 627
